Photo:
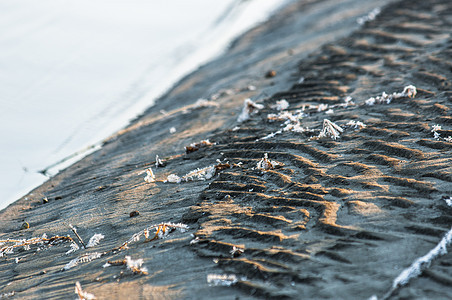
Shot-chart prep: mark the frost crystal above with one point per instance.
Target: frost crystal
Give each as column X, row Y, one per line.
column 200, row 174
column 281, row 105
column 94, row 240
column 356, row 124
column 437, row 135
column 162, row 230
column 283, row 116
column 273, row 134
column 249, row 108
column 135, row 265
column 369, row 17
column 265, row 164
column 409, row 91
column 173, row 178
column 82, row 259
column 221, row 279
column 330, row 129
column 158, row 162
column 436, row 128
column 74, row 247
column 330, row 112
column 322, row 107
column 7, row 295
column 236, row 251
column 196, row 146
column 172, row 130
column 295, row 128
column 448, row 201
column 150, row 177
column 82, row 295
column 205, row 103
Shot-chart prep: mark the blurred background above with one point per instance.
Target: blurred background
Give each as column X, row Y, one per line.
column 74, row 72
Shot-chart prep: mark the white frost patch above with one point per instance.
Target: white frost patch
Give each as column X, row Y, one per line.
column 82, row 294
column 284, row 116
column 436, row 128
column 369, row 17
column 273, row 134
column 82, row 259
column 221, row 279
column 322, row 107
column 291, row 120
column 150, row 177
column 265, row 164
column 158, row 163
column 173, row 178
column 7, row 295
column 330, row 129
column 295, row 128
column 200, row 174
column 281, row 105
column 356, row 124
column 448, row 201
column 249, row 108
column 172, row 130
column 74, row 247
column 330, row 112
column 135, row 265
column 409, row 91
column 437, row 135
column 205, row 103
column 94, row 240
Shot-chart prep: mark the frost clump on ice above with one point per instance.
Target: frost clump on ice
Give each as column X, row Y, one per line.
column 281, row 105
column 369, row 17
column 330, row 129
column 150, row 177
column 266, row 164
column 173, row 178
column 94, row 240
column 198, row 174
column 249, row 108
column 409, row 91
column 221, row 279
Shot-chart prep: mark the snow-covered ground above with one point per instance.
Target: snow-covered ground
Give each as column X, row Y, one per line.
column 74, row 72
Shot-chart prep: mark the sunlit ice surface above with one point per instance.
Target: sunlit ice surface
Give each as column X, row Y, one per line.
column 74, row 72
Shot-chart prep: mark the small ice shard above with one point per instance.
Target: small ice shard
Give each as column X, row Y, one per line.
column 265, row 164
column 249, row 108
column 150, row 177
column 200, row 174
column 82, row 295
column 221, row 279
column 205, row 103
column 408, row 91
column 281, row 105
column 330, row 129
column 356, row 124
column 173, row 178
column 94, row 240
